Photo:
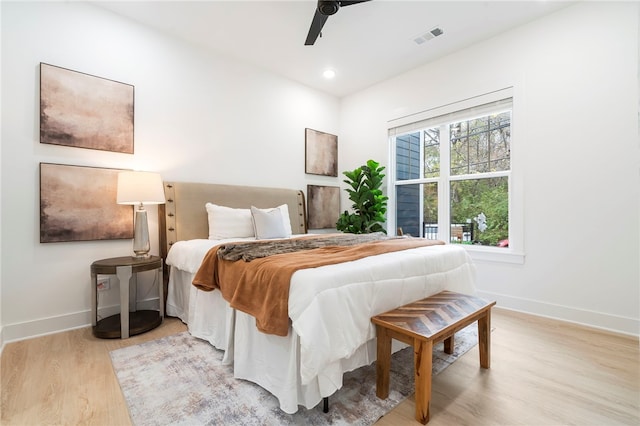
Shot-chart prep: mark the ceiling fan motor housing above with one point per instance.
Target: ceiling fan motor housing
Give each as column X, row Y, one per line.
column 327, row 7
column 324, row 9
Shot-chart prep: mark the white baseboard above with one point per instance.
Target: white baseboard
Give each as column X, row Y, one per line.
column 45, row 326
column 629, row 326
column 609, row 322
column 58, row 324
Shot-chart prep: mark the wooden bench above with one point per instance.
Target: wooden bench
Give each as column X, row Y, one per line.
column 421, row 324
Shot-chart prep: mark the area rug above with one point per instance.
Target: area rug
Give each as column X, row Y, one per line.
column 179, row 380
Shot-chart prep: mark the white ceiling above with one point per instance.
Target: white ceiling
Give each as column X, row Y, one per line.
column 364, row 43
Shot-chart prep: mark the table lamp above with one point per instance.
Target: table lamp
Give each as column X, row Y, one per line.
column 138, row 189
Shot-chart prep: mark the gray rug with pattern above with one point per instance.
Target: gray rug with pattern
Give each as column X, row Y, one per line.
column 179, row 380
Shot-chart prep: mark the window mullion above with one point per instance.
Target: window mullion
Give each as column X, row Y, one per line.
column 392, row 179
column 421, row 162
column 421, row 198
column 485, row 175
column 444, row 188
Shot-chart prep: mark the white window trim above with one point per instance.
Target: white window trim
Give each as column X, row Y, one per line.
column 515, row 253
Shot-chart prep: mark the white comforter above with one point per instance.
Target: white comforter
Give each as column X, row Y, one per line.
column 330, row 307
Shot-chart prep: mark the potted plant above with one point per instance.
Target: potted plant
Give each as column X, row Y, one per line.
column 369, row 204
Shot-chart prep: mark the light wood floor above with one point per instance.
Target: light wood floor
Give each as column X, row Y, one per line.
column 543, row 372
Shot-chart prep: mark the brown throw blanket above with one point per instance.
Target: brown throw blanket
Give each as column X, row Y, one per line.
column 261, row 287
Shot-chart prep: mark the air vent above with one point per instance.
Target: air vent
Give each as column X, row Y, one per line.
column 433, row 33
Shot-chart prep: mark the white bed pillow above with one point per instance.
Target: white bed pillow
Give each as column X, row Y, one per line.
column 226, row 222
column 271, row 223
column 285, row 219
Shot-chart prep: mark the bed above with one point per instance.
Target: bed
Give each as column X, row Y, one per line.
column 329, row 307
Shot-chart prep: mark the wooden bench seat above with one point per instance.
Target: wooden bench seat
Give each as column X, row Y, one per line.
column 421, row 324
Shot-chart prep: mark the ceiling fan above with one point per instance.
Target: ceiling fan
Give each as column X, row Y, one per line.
column 325, row 9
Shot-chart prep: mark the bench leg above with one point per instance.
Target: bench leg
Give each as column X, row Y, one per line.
column 449, row 343
column 383, row 362
column 422, row 359
column 484, row 339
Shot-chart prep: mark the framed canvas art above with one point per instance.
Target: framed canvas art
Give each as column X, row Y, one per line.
column 78, row 203
column 323, row 206
column 85, row 111
column 321, row 153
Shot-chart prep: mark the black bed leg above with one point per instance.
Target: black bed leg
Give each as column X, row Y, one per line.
column 325, row 400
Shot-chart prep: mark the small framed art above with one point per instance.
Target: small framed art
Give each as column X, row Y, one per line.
column 85, row 111
column 321, row 153
column 323, row 206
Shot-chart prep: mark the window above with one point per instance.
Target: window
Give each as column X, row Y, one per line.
column 451, row 174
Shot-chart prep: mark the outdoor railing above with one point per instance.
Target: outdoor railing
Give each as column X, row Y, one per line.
column 460, row 232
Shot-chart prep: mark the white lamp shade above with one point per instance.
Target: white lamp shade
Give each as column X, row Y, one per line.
column 140, row 188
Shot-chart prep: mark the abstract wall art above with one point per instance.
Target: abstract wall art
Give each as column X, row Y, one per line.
column 321, row 153
column 323, row 206
column 78, row 203
column 85, row 111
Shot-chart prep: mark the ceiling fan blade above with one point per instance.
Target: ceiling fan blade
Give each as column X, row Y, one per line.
column 316, row 26
column 349, row 3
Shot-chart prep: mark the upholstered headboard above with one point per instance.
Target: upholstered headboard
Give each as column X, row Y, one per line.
column 183, row 216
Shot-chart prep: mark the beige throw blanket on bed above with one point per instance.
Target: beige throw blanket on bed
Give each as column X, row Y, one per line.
column 251, row 250
column 261, row 287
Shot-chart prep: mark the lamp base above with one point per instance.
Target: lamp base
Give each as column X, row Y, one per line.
column 141, row 245
column 141, row 256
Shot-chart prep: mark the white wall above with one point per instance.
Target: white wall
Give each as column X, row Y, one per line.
column 198, row 117
column 575, row 146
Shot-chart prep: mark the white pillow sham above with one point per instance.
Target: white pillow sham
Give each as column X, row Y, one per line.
column 227, row 222
column 271, row 223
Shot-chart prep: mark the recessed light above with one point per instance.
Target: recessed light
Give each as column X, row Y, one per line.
column 329, row 74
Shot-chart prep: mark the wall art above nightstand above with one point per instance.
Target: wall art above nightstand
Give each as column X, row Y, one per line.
column 78, row 203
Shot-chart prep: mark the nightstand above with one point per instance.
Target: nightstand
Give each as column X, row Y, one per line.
column 129, row 321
